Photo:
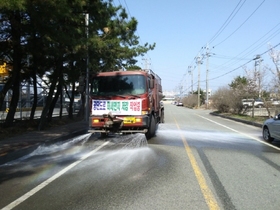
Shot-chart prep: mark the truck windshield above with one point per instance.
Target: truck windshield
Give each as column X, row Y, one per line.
column 118, row 85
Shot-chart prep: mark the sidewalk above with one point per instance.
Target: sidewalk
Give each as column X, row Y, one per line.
column 17, row 146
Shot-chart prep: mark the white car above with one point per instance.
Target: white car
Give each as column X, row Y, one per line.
column 275, row 102
column 179, row 104
column 271, row 128
column 249, row 103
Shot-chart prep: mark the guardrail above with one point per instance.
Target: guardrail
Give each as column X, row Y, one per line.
column 24, row 114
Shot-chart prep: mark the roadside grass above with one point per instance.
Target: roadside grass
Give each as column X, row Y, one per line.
column 256, row 119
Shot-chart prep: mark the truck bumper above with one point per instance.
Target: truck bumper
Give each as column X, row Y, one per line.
column 118, row 124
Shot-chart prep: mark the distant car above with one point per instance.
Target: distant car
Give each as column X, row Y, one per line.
column 249, row 103
column 275, row 102
column 271, row 128
column 179, row 104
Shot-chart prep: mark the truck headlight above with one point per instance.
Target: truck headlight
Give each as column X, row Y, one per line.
column 145, row 112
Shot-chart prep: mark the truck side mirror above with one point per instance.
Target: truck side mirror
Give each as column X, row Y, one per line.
column 151, row 84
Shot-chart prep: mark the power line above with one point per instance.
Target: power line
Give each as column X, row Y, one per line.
column 234, row 68
column 225, row 24
column 219, row 31
column 245, row 54
column 126, row 6
column 265, row 41
column 241, row 24
column 228, row 57
column 244, row 63
column 228, row 20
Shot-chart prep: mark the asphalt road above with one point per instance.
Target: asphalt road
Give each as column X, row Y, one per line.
column 196, row 161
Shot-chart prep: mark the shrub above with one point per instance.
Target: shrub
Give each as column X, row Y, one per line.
column 225, row 101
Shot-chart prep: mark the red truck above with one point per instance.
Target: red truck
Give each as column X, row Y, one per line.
column 125, row 102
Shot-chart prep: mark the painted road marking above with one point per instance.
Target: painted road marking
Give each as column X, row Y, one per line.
column 207, row 193
column 51, row 179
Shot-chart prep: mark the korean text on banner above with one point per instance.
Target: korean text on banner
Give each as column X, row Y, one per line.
column 117, row 107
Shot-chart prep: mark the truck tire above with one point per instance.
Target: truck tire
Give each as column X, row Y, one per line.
column 103, row 135
column 152, row 128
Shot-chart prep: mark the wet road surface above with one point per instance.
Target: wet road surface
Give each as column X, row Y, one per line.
column 196, row 161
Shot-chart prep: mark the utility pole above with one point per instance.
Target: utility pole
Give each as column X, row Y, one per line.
column 190, row 70
column 260, row 88
column 198, row 62
column 208, row 54
column 181, row 91
column 257, row 74
column 207, row 70
column 186, row 85
column 146, row 63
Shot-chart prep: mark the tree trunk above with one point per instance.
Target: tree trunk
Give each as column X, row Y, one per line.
column 83, row 103
column 46, row 108
column 14, row 101
column 53, row 102
column 61, row 104
column 35, row 97
column 4, row 92
column 17, row 56
column 72, row 98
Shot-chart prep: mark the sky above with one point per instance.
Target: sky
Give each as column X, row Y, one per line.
column 233, row 31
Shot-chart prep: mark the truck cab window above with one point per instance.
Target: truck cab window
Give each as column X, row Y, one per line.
column 119, row 85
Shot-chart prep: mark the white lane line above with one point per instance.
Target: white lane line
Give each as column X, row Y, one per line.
column 244, row 134
column 51, row 179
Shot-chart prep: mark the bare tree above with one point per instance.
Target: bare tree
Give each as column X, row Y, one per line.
column 190, row 100
column 275, row 56
column 227, row 100
column 255, row 82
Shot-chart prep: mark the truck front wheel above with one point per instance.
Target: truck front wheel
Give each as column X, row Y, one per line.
column 103, row 135
column 152, row 128
column 162, row 117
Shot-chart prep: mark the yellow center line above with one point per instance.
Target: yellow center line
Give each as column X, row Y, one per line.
column 207, row 193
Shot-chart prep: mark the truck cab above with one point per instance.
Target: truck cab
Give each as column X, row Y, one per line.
column 125, row 102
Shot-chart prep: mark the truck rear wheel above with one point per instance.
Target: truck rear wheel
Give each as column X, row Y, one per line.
column 152, row 128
